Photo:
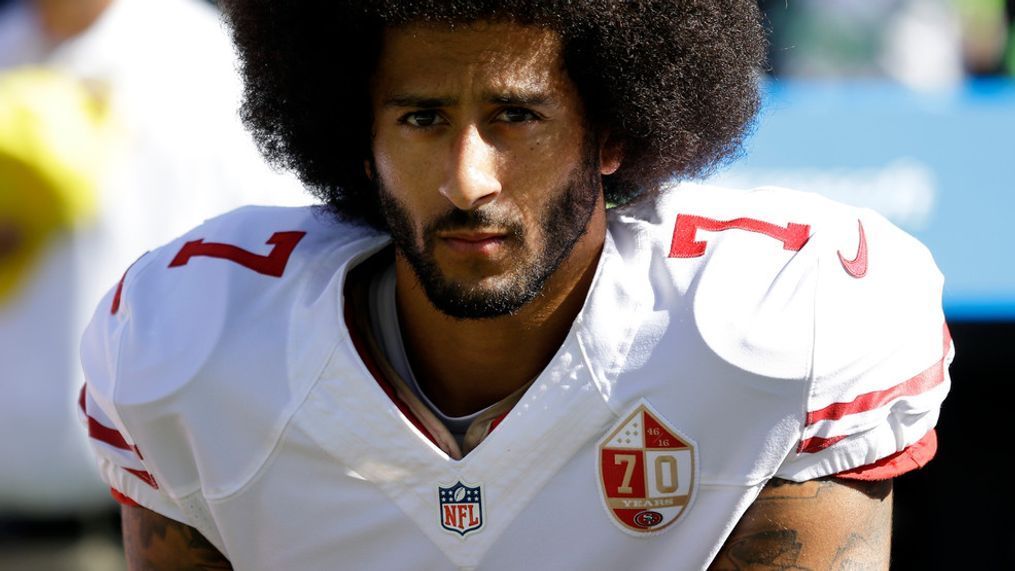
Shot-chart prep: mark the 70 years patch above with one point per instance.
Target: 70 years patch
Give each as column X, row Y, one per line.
column 647, row 471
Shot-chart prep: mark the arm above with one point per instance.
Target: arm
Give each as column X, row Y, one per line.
column 820, row 524
column 153, row 542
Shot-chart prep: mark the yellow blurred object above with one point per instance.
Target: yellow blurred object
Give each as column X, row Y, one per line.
column 54, row 142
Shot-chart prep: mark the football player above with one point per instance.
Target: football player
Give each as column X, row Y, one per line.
column 509, row 341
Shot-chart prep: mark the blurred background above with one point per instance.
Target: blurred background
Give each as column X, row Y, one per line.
column 118, row 131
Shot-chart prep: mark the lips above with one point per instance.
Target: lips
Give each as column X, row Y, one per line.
column 485, row 243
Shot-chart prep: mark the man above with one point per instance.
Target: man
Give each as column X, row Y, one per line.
column 468, row 361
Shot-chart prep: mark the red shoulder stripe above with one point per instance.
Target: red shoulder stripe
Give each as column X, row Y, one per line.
column 115, row 306
column 926, row 380
column 99, row 431
column 103, row 433
column 817, row 444
column 144, row 476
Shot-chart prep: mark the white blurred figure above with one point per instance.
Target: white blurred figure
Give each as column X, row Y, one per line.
column 923, row 45
column 915, row 42
column 162, row 75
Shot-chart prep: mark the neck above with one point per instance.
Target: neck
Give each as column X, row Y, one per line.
column 64, row 19
column 467, row 364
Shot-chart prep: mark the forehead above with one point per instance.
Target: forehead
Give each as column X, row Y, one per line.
column 479, row 55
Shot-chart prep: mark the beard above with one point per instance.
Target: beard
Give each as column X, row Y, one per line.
column 563, row 223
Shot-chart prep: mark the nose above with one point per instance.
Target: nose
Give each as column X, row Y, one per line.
column 471, row 180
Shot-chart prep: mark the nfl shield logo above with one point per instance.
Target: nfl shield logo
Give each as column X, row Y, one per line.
column 461, row 508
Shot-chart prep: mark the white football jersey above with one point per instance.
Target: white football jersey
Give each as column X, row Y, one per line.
column 728, row 338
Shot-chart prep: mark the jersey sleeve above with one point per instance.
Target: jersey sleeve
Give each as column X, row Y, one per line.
column 120, row 461
column 196, row 360
column 880, row 354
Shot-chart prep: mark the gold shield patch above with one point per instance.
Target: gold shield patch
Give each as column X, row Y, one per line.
column 647, row 471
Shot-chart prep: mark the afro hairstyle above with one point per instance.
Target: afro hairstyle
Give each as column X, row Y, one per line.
column 673, row 82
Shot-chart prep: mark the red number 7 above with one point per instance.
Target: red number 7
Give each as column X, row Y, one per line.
column 793, row 236
column 272, row 264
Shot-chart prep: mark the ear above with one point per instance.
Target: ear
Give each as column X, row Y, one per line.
column 368, row 169
column 611, row 155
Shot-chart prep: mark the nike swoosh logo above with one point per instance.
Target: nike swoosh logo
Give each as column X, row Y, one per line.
column 857, row 267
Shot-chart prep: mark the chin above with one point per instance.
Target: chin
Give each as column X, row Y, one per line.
column 477, row 302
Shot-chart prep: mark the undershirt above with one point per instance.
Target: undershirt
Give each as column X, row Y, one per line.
column 384, row 322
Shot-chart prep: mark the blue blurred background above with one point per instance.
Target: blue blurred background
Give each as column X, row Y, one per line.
column 940, row 164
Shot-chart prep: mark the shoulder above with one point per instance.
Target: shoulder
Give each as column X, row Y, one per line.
column 776, row 266
column 772, row 226
column 215, row 273
column 207, row 343
column 700, row 222
column 791, row 285
column 764, row 269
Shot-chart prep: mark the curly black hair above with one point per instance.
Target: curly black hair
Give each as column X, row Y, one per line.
column 674, row 82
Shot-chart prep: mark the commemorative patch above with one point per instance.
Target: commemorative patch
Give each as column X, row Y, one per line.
column 461, row 508
column 647, row 471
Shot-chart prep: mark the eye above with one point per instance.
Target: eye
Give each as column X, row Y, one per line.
column 517, row 115
column 422, row 119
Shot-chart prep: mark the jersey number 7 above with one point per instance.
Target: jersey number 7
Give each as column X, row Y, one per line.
column 793, row 236
column 272, row 264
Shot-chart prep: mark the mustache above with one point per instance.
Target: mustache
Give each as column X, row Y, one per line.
column 478, row 219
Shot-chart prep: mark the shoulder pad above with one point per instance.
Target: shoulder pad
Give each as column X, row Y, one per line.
column 757, row 266
column 211, row 340
column 795, row 286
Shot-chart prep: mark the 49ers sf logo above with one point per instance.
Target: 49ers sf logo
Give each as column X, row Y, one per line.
column 647, row 471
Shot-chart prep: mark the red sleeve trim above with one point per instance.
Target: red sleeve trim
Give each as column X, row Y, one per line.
column 103, row 433
column 143, row 476
column 115, row 306
column 926, row 380
column 817, row 444
column 913, row 457
column 107, row 435
column 123, row 499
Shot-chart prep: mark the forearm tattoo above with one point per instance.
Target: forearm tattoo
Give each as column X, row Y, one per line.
column 822, row 524
column 152, row 542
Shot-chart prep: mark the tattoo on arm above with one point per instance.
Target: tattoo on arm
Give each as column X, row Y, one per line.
column 820, row 524
column 153, row 542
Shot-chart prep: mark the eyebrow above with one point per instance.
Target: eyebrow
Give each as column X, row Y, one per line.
column 418, row 101
column 516, row 97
